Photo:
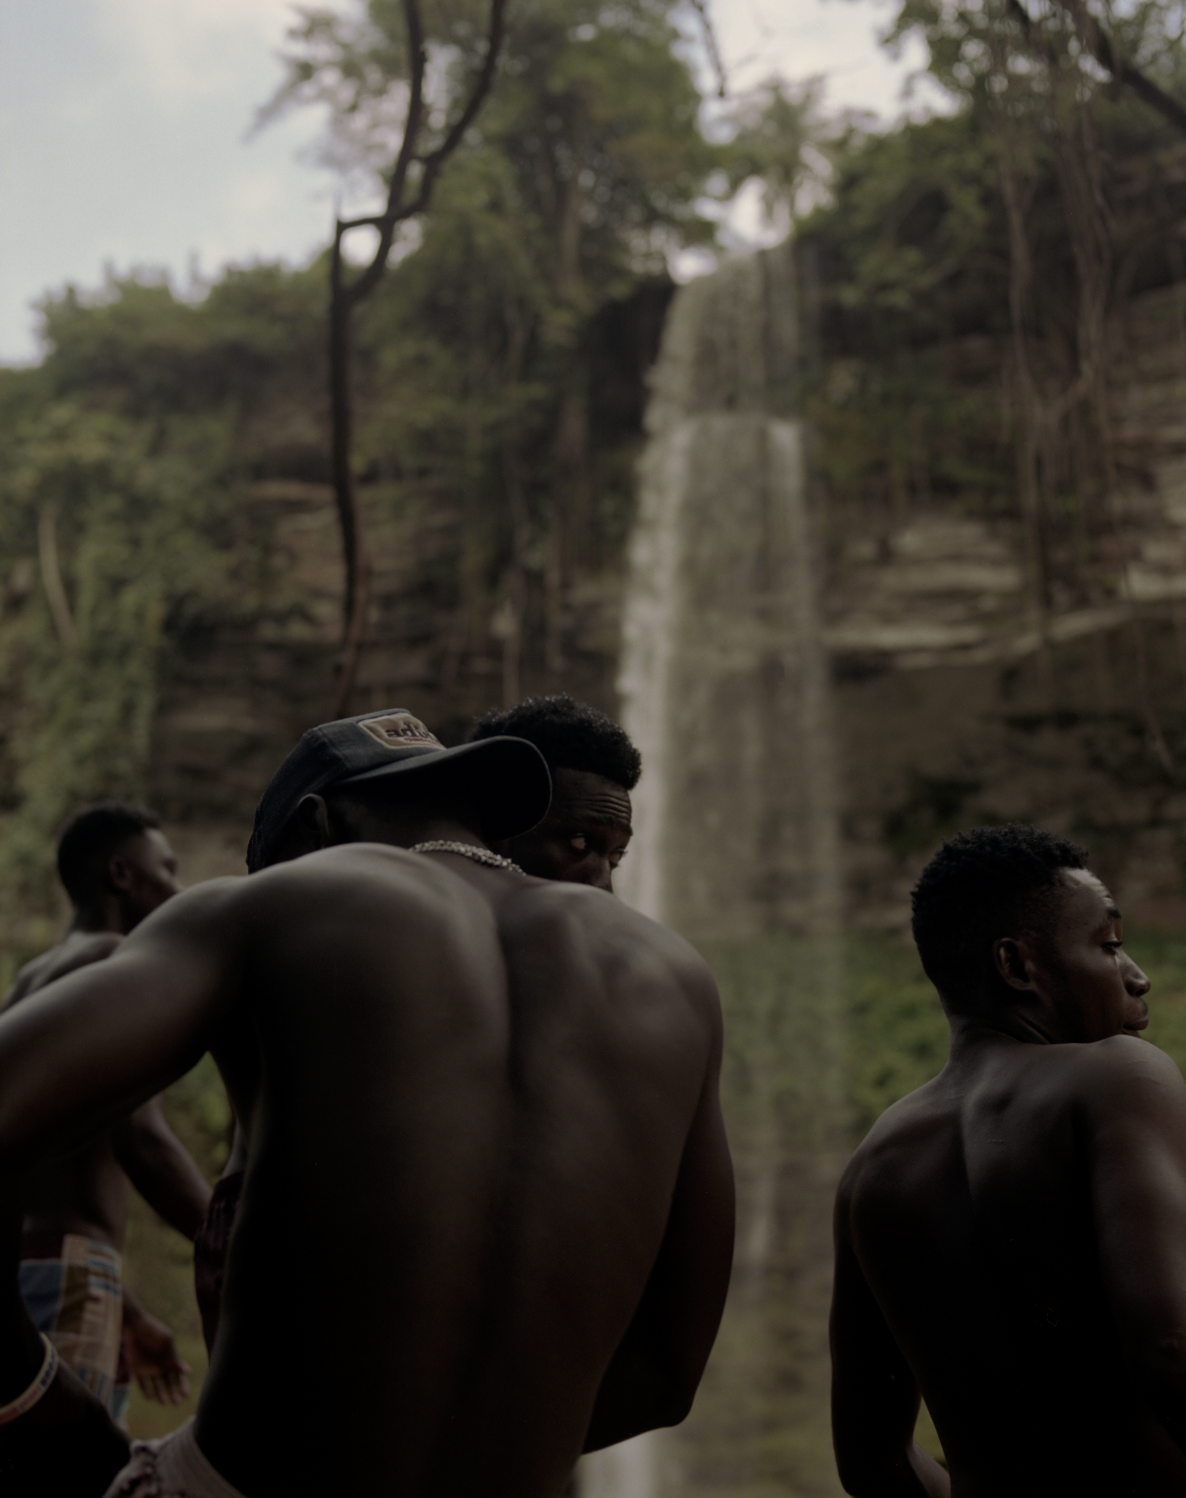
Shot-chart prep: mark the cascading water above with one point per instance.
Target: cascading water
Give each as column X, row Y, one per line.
column 725, row 690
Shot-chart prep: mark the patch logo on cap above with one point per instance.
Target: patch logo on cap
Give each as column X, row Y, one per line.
column 399, row 730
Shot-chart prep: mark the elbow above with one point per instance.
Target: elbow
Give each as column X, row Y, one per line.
column 868, row 1468
column 855, row 1478
column 860, row 1480
column 675, row 1390
column 674, row 1406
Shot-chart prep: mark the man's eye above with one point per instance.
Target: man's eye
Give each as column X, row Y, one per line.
column 580, row 843
column 616, row 857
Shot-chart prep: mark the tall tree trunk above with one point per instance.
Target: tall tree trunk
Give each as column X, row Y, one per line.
column 345, row 296
column 357, row 562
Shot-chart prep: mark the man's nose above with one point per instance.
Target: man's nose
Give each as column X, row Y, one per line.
column 1135, row 980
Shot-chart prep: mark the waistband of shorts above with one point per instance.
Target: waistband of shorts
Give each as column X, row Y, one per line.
column 71, row 1247
column 181, row 1465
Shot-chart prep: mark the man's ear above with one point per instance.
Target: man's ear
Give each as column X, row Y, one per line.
column 1011, row 959
column 312, row 818
column 119, row 874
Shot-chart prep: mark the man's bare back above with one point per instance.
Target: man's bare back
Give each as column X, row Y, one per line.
column 976, row 1217
column 485, row 1103
column 1011, row 1243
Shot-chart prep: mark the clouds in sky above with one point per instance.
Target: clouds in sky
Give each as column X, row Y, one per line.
column 125, row 132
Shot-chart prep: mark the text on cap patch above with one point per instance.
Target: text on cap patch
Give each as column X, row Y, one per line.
column 398, row 730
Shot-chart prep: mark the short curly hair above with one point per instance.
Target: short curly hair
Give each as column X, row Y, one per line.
column 570, row 735
column 89, row 840
column 982, row 885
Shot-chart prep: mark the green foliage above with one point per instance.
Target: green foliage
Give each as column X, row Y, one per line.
column 932, row 806
column 476, row 368
column 896, row 1037
column 126, row 510
column 120, row 459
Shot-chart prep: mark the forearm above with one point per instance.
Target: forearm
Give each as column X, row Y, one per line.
column 636, row 1394
column 161, row 1170
column 905, row 1473
column 134, row 1313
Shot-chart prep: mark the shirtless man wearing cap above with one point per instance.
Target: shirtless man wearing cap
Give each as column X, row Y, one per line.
column 488, row 1100
column 1011, row 1238
column 582, row 840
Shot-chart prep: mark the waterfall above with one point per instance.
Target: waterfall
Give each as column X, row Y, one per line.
column 724, row 687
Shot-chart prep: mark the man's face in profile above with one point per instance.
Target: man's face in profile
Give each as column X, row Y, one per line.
column 1096, row 987
column 583, row 837
column 144, row 871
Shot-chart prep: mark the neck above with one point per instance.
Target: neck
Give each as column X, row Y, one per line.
column 103, row 914
column 968, row 1031
column 438, row 829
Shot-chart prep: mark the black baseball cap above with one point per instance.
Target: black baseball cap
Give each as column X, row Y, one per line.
column 507, row 778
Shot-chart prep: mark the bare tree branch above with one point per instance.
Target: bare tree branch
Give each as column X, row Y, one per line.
column 344, row 296
column 51, row 577
column 714, row 52
column 1107, row 54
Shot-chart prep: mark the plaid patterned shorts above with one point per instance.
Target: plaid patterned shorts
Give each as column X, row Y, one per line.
column 72, row 1288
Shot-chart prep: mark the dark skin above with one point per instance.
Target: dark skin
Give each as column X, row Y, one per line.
column 584, row 836
column 87, row 1191
column 1011, row 1240
column 489, row 1102
column 582, row 840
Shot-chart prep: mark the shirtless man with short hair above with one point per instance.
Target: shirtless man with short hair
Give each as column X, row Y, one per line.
column 487, row 1102
column 1011, row 1238
column 116, row 865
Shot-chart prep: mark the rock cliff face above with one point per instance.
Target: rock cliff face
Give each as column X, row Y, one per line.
column 954, row 704
column 949, row 701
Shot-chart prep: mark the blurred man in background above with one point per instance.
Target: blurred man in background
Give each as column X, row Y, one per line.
column 594, row 768
column 117, row 867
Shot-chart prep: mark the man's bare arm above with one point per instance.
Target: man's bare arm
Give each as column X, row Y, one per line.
column 875, row 1398
column 1135, row 1107
column 83, row 1052
column 160, row 1168
column 657, row 1367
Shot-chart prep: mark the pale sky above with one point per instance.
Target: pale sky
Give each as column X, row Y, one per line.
column 125, row 132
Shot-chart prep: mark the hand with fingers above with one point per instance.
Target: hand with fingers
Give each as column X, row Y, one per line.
column 163, row 1375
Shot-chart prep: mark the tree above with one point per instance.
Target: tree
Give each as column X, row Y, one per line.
column 331, row 66
column 585, row 172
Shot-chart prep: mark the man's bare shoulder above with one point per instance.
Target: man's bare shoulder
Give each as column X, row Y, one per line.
column 618, row 936
column 76, row 950
column 322, row 880
column 1120, row 1076
column 901, row 1139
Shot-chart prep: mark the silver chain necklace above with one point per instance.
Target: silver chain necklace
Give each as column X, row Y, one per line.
column 467, row 850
